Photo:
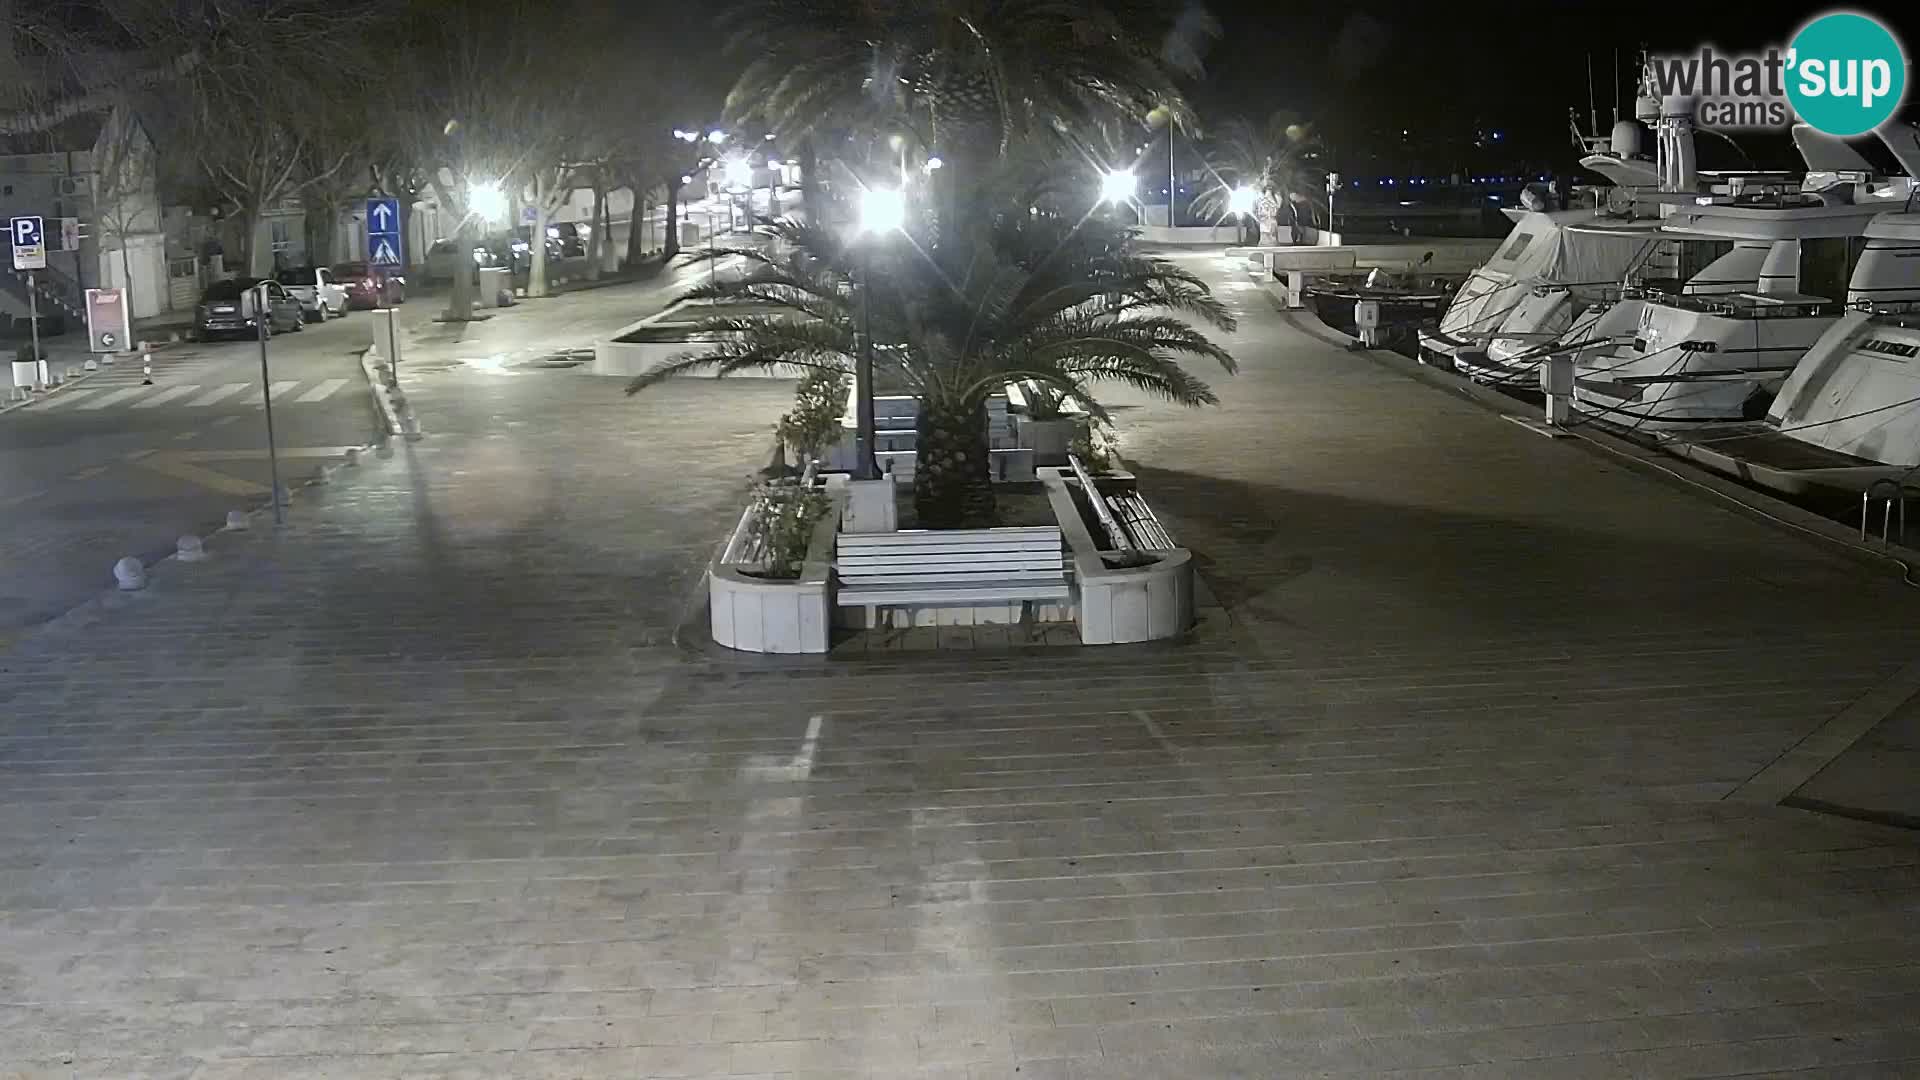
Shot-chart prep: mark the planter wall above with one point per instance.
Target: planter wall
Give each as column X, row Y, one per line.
column 765, row 615
column 1117, row 606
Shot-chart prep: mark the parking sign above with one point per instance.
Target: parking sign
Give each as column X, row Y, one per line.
column 29, row 243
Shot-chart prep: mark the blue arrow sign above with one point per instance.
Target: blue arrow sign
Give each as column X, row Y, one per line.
column 384, row 246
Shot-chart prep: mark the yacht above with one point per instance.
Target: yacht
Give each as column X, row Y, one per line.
column 1560, row 317
column 1721, row 357
column 1849, row 413
column 1544, row 251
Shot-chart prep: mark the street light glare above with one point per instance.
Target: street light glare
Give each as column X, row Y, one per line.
column 739, row 173
column 716, row 137
column 1242, row 200
column 1118, row 185
column 882, row 210
column 934, row 163
column 488, row 200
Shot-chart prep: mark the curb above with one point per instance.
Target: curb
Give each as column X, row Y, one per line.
column 395, row 413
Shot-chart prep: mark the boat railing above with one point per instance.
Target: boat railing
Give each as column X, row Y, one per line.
column 1752, row 306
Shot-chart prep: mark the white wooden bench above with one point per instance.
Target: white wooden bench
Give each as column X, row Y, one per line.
column 949, row 567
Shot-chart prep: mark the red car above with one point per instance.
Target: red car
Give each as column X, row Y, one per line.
column 370, row 287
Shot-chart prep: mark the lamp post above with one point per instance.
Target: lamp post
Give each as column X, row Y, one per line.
column 882, row 211
column 1240, row 203
column 263, row 311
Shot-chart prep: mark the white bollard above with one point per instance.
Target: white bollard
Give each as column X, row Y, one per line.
column 353, row 456
column 237, row 521
column 189, row 549
column 91, row 364
column 129, row 574
column 146, row 369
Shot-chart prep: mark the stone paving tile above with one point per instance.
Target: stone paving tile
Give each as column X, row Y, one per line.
column 423, row 786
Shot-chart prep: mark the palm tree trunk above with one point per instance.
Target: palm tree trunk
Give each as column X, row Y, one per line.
column 952, row 488
column 812, row 198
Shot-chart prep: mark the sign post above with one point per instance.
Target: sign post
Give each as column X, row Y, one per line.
column 263, row 314
column 109, row 326
column 30, row 254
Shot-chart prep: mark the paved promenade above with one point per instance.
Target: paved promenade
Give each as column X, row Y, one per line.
column 422, row 786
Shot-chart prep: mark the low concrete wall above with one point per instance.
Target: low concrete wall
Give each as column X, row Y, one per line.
column 766, row 615
column 1225, row 233
column 1117, row 606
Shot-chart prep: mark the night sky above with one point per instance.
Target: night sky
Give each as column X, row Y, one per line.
column 1443, row 69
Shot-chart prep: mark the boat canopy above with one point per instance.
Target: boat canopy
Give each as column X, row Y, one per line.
column 1569, row 247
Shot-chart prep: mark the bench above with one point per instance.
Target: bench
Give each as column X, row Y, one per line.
column 958, row 567
column 1130, row 524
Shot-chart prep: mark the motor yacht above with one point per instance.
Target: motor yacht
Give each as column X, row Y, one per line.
column 1848, row 414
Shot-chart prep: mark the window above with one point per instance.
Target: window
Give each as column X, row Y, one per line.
column 282, row 236
column 1515, row 244
column 325, row 277
column 1826, row 262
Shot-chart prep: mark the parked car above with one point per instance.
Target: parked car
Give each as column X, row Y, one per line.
column 321, row 295
column 231, row 307
column 371, row 286
column 443, row 259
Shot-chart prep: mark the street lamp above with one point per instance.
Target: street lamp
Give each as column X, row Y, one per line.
column 716, row 136
column 882, row 212
column 487, row 200
column 1240, row 203
column 1118, row 185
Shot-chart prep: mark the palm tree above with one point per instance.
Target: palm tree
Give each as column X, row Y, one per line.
column 968, row 77
column 1062, row 304
column 1273, row 158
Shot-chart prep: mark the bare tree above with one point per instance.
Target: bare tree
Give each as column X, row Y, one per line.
column 271, row 70
column 125, row 193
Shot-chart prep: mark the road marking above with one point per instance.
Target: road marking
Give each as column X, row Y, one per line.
column 87, row 473
column 16, row 500
column 320, row 393
column 216, row 394
column 66, row 397
column 225, row 420
column 167, row 395
column 185, row 435
column 138, row 454
column 279, row 388
column 184, row 465
column 116, row 397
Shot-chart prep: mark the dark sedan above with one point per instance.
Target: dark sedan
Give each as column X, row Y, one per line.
column 231, row 308
column 370, row 286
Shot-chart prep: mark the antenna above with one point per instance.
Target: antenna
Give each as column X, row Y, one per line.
column 1593, row 111
column 1613, row 92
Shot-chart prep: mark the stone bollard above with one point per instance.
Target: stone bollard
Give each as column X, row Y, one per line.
column 190, row 549
column 91, row 364
column 237, row 521
column 322, row 476
column 353, row 456
column 129, row 574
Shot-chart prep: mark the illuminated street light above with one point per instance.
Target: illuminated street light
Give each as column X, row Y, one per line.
column 487, row 200
column 1118, row 185
column 882, row 210
column 739, row 173
column 934, row 163
column 716, row 136
column 769, row 136
column 1242, row 199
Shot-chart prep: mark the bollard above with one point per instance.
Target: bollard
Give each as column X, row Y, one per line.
column 91, row 364
column 146, row 369
column 323, row 476
column 129, row 574
column 237, row 521
column 353, row 456
column 189, row 549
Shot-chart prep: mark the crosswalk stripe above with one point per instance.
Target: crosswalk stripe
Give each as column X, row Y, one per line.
column 218, row 392
column 167, row 395
column 320, row 393
column 279, row 388
column 116, row 396
column 65, row 398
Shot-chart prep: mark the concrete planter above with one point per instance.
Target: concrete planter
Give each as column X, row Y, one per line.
column 641, row 346
column 770, row 615
column 1117, row 605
